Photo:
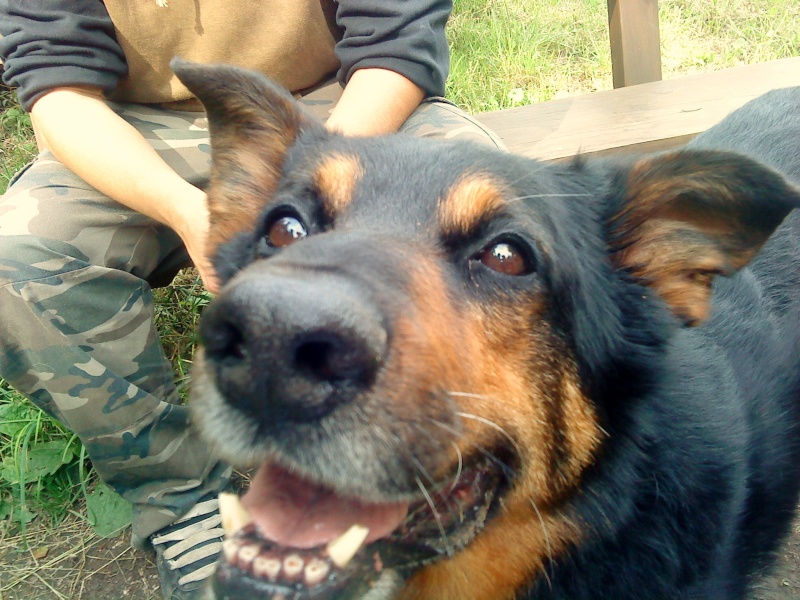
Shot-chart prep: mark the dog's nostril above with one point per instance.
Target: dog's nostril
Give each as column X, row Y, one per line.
column 332, row 360
column 313, row 357
column 225, row 341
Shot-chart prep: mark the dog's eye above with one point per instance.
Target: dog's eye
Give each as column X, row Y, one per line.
column 505, row 257
column 285, row 231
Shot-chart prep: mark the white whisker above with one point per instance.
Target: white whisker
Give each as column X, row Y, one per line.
column 547, row 542
column 468, row 395
column 460, row 467
column 436, row 516
column 495, row 426
column 478, row 447
column 423, row 471
column 532, row 196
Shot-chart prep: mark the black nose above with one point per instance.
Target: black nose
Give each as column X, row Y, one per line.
column 291, row 348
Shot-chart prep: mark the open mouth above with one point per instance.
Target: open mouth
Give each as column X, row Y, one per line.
column 289, row 538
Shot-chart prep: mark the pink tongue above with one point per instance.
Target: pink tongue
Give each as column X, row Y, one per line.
column 293, row 512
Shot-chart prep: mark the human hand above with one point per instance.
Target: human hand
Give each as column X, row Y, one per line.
column 191, row 223
column 374, row 102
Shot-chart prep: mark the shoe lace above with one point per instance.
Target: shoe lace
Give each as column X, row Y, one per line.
column 191, row 539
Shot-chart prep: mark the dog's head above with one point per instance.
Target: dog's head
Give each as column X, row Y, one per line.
column 422, row 346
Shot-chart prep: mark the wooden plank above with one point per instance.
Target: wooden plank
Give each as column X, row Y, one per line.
column 635, row 41
column 648, row 117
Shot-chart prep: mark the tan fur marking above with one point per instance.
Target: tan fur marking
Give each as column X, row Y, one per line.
column 233, row 206
column 335, row 179
column 529, row 379
column 582, row 432
column 513, row 375
column 470, row 200
column 678, row 262
column 244, row 174
column 674, row 247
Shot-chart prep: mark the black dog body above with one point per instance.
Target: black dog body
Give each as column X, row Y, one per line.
column 699, row 482
column 519, row 355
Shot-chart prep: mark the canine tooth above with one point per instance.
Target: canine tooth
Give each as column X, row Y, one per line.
column 234, row 516
column 293, row 566
column 316, row 571
column 230, row 548
column 267, row 567
column 342, row 550
column 248, row 553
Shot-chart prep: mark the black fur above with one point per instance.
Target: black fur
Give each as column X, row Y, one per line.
column 696, row 483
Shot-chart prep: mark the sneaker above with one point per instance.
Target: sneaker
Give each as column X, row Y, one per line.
column 187, row 551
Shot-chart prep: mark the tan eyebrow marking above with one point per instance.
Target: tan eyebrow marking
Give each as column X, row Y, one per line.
column 468, row 202
column 335, row 180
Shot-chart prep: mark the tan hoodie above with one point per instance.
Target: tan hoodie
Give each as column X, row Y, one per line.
column 292, row 40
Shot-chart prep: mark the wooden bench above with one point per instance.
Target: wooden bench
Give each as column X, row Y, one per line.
column 643, row 113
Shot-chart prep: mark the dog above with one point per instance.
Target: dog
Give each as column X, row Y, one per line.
column 462, row 374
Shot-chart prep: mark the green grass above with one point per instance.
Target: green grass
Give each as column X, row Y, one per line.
column 17, row 146
column 504, row 53
column 511, row 52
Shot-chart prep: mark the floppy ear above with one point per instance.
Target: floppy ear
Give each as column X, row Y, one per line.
column 681, row 218
column 252, row 122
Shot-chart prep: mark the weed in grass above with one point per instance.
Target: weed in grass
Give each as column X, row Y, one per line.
column 177, row 314
column 510, row 52
column 42, row 465
column 704, row 36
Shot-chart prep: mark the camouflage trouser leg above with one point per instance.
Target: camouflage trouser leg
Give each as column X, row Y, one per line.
column 76, row 314
column 76, row 324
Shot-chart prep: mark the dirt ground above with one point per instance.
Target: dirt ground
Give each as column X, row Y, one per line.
column 783, row 583
column 71, row 563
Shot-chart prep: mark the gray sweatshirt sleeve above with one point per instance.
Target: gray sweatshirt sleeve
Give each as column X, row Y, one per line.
column 53, row 43
column 406, row 36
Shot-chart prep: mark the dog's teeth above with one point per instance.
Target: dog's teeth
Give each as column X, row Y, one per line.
column 267, row 567
column 315, row 572
column 234, row 515
column 230, row 548
column 293, row 566
column 342, row 550
column 247, row 554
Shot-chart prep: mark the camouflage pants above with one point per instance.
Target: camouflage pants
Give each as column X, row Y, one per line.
column 76, row 312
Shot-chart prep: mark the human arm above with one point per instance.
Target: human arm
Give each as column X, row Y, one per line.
column 393, row 55
column 96, row 144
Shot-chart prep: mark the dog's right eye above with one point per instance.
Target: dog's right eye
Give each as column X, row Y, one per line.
column 506, row 257
column 284, row 231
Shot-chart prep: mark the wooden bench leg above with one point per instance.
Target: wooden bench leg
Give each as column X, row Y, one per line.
column 635, row 41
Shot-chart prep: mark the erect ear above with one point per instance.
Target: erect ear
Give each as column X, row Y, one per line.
column 252, row 122
column 679, row 219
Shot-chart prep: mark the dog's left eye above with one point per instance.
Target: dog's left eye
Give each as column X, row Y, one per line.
column 285, row 231
column 507, row 258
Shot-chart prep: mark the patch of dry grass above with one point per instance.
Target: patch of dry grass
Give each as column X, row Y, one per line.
column 72, row 563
